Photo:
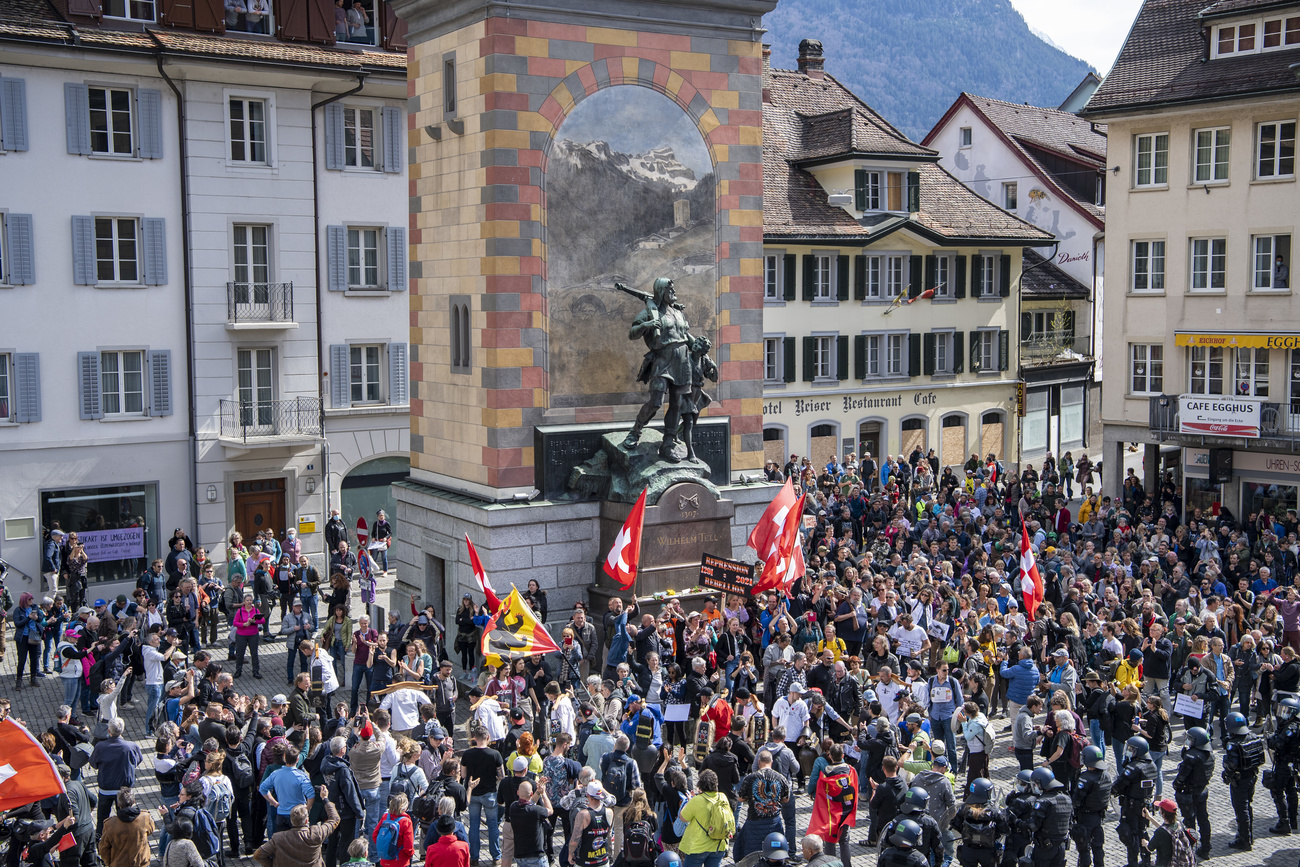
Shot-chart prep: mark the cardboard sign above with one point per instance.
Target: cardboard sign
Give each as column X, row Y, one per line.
column 938, row 630
column 677, row 712
column 729, row 576
column 120, row 544
column 1189, row 706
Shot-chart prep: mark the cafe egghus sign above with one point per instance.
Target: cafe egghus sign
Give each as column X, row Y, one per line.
column 1219, row 416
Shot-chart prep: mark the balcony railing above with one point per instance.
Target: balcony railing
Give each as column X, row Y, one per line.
column 248, row 303
column 1277, row 420
column 1046, row 346
column 296, row 417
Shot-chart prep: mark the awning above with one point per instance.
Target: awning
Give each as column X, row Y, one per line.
column 1252, row 340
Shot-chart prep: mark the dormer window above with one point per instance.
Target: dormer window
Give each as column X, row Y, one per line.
column 876, row 190
column 1256, row 35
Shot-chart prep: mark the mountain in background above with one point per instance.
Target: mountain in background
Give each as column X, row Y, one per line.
column 909, row 59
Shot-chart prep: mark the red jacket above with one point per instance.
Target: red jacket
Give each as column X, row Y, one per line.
column 449, row 851
column 405, row 841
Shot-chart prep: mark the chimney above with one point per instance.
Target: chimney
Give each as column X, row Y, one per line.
column 810, row 58
column 767, row 71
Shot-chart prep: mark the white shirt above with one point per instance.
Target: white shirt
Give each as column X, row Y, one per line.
column 562, row 718
column 909, row 640
column 404, row 705
column 329, row 680
column 791, row 717
column 488, row 715
column 389, row 758
column 153, row 665
column 888, row 694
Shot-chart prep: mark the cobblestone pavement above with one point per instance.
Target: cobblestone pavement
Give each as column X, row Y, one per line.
column 35, row 706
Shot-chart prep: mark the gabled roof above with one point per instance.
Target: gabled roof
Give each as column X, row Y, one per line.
column 1164, row 62
column 1041, row 280
column 794, row 202
column 1026, row 129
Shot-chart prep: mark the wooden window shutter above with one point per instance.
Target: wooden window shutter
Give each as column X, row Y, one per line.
column 210, row 16
column 90, row 8
column 154, row 236
column 150, row 143
column 83, row 251
column 913, row 192
column 89, row 385
column 842, row 278
column 396, row 258
column 27, row 395
column 340, row 386
column 1004, row 276
column 20, row 250
column 336, row 257
column 959, row 286
column 809, row 359
column 976, row 275
column 790, row 264
column 292, row 21
column 916, row 276
column 13, row 114
column 320, row 17
column 394, row 28
column 860, row 189
column 76, row 111
column 394, row 137
column 974, row 350
column 860, row 356
column 860, row 278
column 931, row 271
column 929, row 353
column 913, row 354
column 1004, row 349
column 958, row 352
column 809, row 276
column 788, row 356
column 842, row 357
column 160, row 382
column 398, row 375
column 176, row 13
column 334, row 136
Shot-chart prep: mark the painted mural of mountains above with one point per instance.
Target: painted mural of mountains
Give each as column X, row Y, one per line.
column 909, row 59
column 659, row 165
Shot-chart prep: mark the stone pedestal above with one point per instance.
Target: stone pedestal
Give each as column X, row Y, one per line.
column 619, row 474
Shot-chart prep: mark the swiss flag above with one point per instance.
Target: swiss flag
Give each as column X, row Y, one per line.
column 480, row 575
column 784, row 562
column 1031, row 583
column 625, row 555
column 27, row 773
column 767, row 532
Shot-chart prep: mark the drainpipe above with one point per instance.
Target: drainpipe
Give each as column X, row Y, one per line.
column 189, row 287
column 320, row 328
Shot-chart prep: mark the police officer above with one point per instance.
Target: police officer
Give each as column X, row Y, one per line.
column 1285, row 746
column 1192, row 783
column 1241, row 761
column 1051, row 819
column 1020, row 805
column 979, row 825
column 914, row 807
column 902, row 849
column 774, row 852
column 1091, row 797
column 1134, row 788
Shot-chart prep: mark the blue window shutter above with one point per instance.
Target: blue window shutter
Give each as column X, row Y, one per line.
column 88, row 370
column 160, row 382
column 76, row 110
column 336, row 257
column 83, row 251
column 398, row 375
column 393, row 139
column 27, row 405
column 334, row 136
column 396, row 258
column 339, row 390
column 13, row 114
column 155, row 251
column 19, row 252
column 151, row 139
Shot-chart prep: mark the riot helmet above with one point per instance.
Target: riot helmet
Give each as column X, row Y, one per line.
column 980, row 791
column 915, row 801
column 907, row 834
column 1136, row 747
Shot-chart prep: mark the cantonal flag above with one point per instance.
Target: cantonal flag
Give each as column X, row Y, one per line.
column 27, row 773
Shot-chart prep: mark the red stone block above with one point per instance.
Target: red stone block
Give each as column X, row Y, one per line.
column 661, row 75
column 510, row 319
column 507, row 211
column 728, row 135
column 551, row 110
column 534, row 302
column 744, row 117
column 530, row 195
column 532, row 377
column 530, row 265
column 658, row 55
column 588, row 78
column 417, row 235
column 547, row 67
column 532, row 158
column 751, row 233
column 509, row 398
column 750, row 66
column 514, row 477
column 508, row 26
column 548, row 30
column 729, row 334
column 707, row 80
column 410, row 88
column 726, row 203
column 500, row 338
column 497, row 43
column 743, row 424
column 417, row 405
column 505, row 175
column 750, row 171
column 752, row 187
column 505, row 101
column 664, row 41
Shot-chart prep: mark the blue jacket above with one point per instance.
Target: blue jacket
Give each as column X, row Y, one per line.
column 629, row 726
column 1023, row 679
column 618, row 641
column 115, row 760
column 51, row 556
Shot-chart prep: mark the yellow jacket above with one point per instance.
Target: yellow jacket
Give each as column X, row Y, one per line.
column 695, row 814
column 1127, row 675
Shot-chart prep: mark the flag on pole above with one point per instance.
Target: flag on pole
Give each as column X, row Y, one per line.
column 786, row 554
column 1031, row 583
column 27, row 773
column 480, row 575
column 514, row 631
column 767, row 532
column 625, row 556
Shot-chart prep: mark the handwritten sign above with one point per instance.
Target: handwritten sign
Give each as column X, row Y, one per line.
column 122, row 544
column 1189, row 706
column 938, row 630
column 729, row 576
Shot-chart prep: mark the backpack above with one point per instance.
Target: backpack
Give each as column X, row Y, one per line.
column 241, row 771
column 219, row 801
column 425, row 807
column 388, row 843
column 160, row 714
column 1074, row 750
column 1183, row 854
column 982, row 833
column 206, row 837
column 192, row 772
column 639, row 845
column 1252, row 754
column 401, row 784
column 987, row 739
column 722, row 821
column 615, row 780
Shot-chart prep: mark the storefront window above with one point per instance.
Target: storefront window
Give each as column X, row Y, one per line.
column 117, row 525
column 1201, row 494
column 1270, row 498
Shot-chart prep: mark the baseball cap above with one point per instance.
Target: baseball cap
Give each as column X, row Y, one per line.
column 1060, row 651
column 797, row 687
column 279, row 698
column 516, row 714
column 595, row 790
column 176, row 684
column 1167, row 805
column 84, row 610
column 297, row 603
column 100, row 603
column 437, row 732
column 914, row 718
column 941, row 760
column 423, row 618
column 367, row 732
column 633, row 698
column 519, row 764
column 57, row 532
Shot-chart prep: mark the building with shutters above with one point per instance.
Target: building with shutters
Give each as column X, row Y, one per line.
column 1203, row 360
column 890, row 289
column 215, row 294
column 1046, row 166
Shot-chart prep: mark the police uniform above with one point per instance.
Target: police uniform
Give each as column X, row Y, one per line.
column 1241, row 762
column 1091, row 797
column 1051, row 821
column 931, row 845
column 980, row 828
column 1285, row 745
column 1191, row 790
column 897, row 856
column 1134, row 787
column 1020, row 806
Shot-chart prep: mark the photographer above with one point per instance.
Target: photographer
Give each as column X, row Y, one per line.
column 248, row 624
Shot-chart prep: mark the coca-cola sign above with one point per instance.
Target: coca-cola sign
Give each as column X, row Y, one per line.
column 1220, row 416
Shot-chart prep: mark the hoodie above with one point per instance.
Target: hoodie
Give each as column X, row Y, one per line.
column 943, row 801
column 125, row 841
column 344, row 791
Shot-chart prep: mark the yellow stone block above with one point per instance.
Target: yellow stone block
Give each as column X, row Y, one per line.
column 738, row 217
column 518, row 357
column 747, row 352
column 493, row 265
column 505, row 229
column 631, row 67
column 674, row 83
column 751, row 267
column 499, row 81
column 751, row 135
column 725, row 99
column 719, row 152
column 746, row 48
column 506, row 138
column 503, row 417
column 606, row 36
column 708, row 123
column 689, row 60
column 531, row 46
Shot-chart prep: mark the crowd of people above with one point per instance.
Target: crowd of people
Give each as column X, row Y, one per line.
column 878, row 689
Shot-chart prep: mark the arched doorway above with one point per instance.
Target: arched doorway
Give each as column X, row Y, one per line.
column 367, row 488
column 774, row 445
column 871, row 439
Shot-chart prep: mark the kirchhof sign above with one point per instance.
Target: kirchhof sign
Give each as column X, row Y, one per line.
column 1219, row 416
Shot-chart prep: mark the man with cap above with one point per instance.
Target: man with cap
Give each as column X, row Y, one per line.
column 1170, row 836
column 447, row 850
column 443, row 695
column 404, row 704
column 155, row 659
column 791, row 713
column 296, row 627
column 487, row 714
column 52, row 560
column 590, row 844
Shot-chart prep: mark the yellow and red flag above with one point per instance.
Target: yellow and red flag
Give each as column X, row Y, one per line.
column 27, row 773
column 515, row 631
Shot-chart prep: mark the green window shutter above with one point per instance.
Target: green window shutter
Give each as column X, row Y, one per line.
column 1004, row 349
column 929, row 353
column 809, row 276
column 916, row 276
column 914, row 354
column 976, row 275
column 959, row 287
column 931, row 272
column 860, row 278
column 958, row 352
column 974, row 350
column 809, row 359
column 791, row 265
column 913, row 192
column 842, row 278
column 789, row 357
column 1004, row 276
column 860, row 356
column 842, row 358
column 860, row 189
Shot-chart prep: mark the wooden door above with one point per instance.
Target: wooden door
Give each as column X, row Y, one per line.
column 259, row 505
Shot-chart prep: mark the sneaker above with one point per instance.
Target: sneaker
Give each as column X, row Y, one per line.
column 126, row 704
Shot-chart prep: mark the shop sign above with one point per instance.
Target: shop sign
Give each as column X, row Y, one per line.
column 102, row 545
column 1240, row 341
column 1219, row 416
column 845, row 403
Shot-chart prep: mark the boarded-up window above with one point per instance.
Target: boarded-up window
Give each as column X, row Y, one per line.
column 952, row 445
column 914, row 436
column 991, row 435
column 774, row 445
column 825, row 444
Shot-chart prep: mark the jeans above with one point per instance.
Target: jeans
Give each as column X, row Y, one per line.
column 751, row 834
column 71, row 687
column 47, row 647
column 703, row 859
column 340, row 667
column 787, row 818
column 153, row 695
column 311, row 605
column 358, row 673
column 728, row 671
column 374, row 809
column 1159, row 760
column 383, row 558
column 477, row 805
column 1244, row 686
column 292, row 653
column 943, row 728
column 1094, row 734
column 1217, row 707
column 25, row 652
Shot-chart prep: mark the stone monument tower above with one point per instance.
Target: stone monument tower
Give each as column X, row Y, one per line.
column 557, row 149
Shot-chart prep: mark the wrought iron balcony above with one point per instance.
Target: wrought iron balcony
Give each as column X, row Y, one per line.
column 1046, row 347
column 269, row 421
column 264, row 304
